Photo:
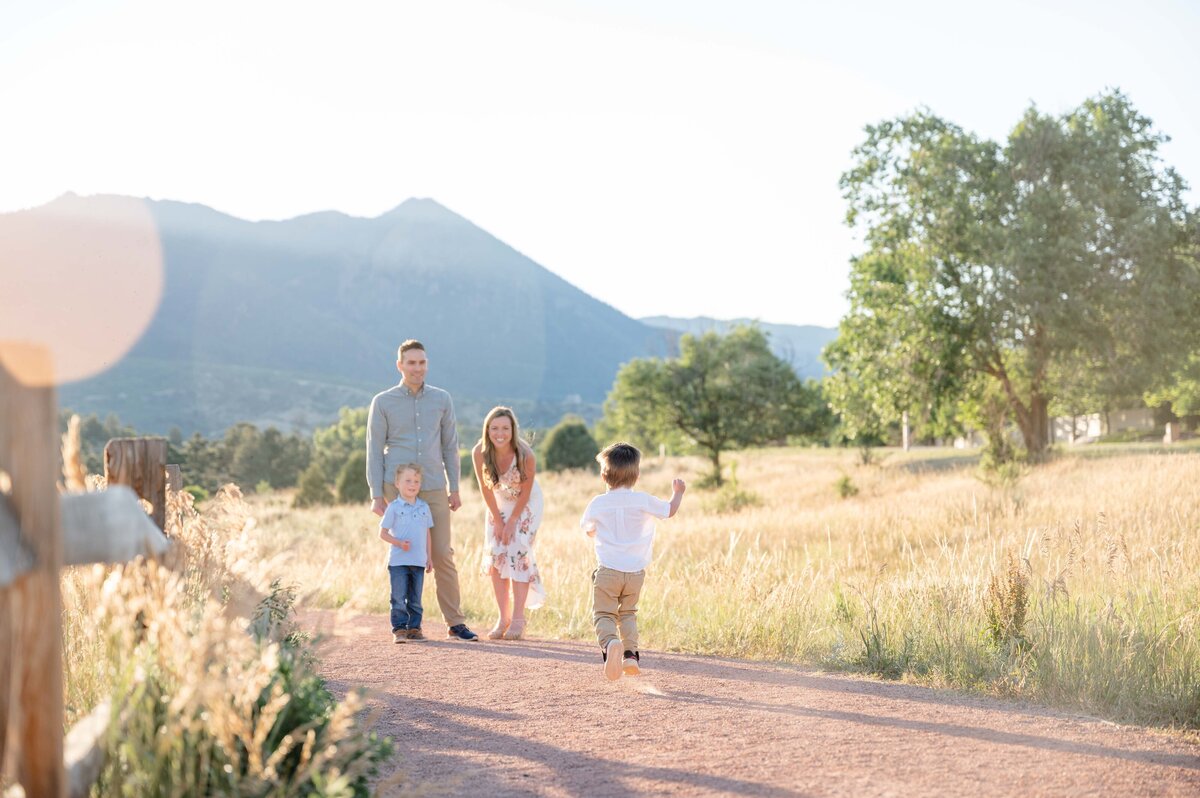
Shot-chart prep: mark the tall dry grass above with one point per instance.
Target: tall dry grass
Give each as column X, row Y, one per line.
column 1079, row 585
column 212, row 687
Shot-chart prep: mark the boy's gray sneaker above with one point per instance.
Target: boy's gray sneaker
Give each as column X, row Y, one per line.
column 612, row 660
column 631, row 663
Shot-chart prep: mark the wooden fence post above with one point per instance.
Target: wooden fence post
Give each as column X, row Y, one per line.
column 29, row 453
column 174, row 478
column 140, row 463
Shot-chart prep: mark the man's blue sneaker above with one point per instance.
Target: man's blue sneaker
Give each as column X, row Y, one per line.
column 461, row 632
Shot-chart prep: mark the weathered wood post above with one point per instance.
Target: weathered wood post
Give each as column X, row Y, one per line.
column 174, row 478
column 1171, row 433
column 904, row 434
column 140, row 463
column 29, row 453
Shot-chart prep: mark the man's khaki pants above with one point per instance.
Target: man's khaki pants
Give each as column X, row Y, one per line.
column 444, row 572
column 614, row 605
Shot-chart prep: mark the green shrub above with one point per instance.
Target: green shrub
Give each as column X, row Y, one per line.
column 846, row 487
column 569, row 445
column 313, row 488
column 199, row 494
column 352, row 487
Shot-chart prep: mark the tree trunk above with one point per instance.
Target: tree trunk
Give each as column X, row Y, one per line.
column 1038, row 436
column 715, row 456
column 1039, row 403
column 1033, row 419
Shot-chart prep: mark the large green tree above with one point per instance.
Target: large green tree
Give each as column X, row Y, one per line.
column 1058, row 266
column 721, row 393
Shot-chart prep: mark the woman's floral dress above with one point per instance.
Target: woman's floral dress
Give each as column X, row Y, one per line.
column 515, row 561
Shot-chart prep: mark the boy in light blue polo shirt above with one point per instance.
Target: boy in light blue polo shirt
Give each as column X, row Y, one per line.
column 405, row 525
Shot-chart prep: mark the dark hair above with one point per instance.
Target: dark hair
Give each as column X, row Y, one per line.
column 619, row 465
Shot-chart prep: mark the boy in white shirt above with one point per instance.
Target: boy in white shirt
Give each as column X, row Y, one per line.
column 622, row 522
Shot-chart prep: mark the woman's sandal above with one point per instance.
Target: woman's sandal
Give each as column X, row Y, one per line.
column 516, row 630
column 498, row 631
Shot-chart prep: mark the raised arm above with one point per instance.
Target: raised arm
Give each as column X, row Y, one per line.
column 677, row 489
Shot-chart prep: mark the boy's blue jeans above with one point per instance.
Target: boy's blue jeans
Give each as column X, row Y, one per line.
column 407, row 581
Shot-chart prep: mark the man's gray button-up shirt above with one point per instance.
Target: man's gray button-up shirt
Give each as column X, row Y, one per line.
column 406, row 427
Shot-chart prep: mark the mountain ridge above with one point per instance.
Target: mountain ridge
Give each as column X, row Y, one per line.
column 317, row 304
column 797, row 344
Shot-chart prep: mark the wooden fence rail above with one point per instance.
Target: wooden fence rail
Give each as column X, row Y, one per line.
column 39, row 533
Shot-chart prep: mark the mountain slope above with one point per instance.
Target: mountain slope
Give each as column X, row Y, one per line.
column 283, row 322
column 799, row 345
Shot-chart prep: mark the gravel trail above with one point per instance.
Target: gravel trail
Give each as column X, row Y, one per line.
column 536, row 717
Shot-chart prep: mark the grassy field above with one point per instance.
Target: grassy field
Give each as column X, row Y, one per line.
column 1077, row 586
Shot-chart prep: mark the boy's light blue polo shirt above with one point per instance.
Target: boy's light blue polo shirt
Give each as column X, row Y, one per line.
column 408, row 522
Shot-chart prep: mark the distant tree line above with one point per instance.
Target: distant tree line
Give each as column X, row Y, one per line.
column 245, row 455
column 722, row 392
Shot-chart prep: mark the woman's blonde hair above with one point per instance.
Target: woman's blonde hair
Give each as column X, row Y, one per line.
column 491, row 469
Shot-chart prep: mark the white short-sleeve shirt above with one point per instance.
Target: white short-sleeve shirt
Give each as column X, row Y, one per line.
column 624, row 524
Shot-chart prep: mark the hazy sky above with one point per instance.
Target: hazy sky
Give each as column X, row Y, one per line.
column 666, row 157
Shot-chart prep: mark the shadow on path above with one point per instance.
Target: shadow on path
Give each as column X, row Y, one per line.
column 428, row 724
column 776, row 673
column 950, row 729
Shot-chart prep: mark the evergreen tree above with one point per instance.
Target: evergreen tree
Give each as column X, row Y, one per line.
column 352, row 487
column 569, row 445
column 314, row 489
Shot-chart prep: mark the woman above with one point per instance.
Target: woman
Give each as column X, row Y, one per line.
column 504, row 468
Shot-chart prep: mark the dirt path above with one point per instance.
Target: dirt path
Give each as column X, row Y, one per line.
column 536, row 717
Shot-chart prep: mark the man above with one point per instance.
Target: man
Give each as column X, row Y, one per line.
column 414, row 423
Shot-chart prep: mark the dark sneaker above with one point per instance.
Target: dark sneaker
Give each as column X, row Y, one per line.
column 630, row 663
column 612, row 660
column 416, row 634
column 399, row 635
column 461, row 632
